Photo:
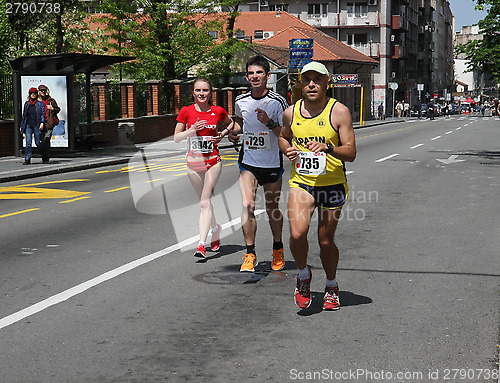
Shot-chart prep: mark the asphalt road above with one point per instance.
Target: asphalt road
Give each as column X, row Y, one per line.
column 99, row 283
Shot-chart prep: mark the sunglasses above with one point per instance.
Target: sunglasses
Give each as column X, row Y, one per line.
column 42, row 90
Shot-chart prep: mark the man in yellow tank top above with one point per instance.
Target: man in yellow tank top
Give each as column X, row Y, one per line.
column 318, row 137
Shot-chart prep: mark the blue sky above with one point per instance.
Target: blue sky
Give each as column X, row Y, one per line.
column 464, row 13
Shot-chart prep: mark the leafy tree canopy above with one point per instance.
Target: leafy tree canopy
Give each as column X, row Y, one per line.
column 168, row 37
column 484, row 55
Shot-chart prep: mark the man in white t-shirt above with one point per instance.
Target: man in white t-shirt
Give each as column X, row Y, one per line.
column 259, row 118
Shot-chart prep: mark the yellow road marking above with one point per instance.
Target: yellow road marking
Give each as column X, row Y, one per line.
column 75, row 199
column 19, row 212
column 21, row 192
column 155, row 180
column 117, row 189
column 58, row 182
column 30, row 191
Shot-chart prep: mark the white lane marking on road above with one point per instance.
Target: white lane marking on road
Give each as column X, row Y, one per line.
column 449, row 132
column 435, row 138
column 416, row 146
column 349, row 172
column 388, row 157
column 458, row 128
column 73, row 291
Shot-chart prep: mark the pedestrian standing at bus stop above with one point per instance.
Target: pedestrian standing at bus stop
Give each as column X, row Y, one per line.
column 32, row 123
column 51, row 111
column 317, row 136
column 199, row 123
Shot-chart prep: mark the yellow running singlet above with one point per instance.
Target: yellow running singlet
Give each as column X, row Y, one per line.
column 315, row 169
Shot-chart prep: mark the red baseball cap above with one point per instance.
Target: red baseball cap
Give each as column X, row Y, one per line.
column 33, row 90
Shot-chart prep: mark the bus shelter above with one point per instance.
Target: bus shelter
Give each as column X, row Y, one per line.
column 58, row 72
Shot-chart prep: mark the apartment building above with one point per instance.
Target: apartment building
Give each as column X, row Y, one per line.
column 411, row 40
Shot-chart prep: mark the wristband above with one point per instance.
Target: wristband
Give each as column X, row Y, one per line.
column 329, row 148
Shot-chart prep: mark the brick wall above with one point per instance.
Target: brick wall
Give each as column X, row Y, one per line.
column 7, row 136
column 147, row 129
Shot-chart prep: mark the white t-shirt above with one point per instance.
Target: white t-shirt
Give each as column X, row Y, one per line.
column 260, row 144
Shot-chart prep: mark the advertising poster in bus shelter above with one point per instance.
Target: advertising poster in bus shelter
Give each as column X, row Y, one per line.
column 58, row 91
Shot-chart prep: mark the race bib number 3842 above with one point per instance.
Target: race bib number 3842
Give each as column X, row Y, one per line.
column 310, row 163
column 201, row 144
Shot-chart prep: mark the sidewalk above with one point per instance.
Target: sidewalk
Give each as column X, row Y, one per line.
column 12, row 169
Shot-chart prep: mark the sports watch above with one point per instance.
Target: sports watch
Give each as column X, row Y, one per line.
column 329, row 148
column 271, row 124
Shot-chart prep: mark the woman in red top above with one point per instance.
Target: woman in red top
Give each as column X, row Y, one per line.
column 199, row 123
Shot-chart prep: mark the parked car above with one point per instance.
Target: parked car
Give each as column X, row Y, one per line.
column 465, row 108
column 454, row 109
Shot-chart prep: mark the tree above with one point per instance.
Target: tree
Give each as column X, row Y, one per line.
column 47, row 28
column 5, row 41
column 221, row 70
column 168, row 37
column 484, row 55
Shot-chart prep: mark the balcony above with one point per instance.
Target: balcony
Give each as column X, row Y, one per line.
column 342, row 19
column 399, row 22
column 372, row 50
column 370, row 19
column 318, row 21
column 398, row 52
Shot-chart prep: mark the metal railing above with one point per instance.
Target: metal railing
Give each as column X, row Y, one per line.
column 6, row 97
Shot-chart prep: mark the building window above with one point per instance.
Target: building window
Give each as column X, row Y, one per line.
column 357, row 39
column 240, row 34
column 357, row 9
column 258, row 34
column 214, row 34
column 278, row 7
column 317, row 10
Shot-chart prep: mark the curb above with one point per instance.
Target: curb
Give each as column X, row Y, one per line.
column 102, row 162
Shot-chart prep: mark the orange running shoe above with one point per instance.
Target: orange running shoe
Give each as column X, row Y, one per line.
column 249, row 262
column 278, row 262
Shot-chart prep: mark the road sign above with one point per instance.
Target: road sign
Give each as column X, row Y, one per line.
column 301, row 43
column 393, row 85
column 301, row 52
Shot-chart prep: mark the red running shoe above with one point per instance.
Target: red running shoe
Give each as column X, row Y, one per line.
column 200, row 252
column 215, row 245
column 303, row 292
column 331, row 299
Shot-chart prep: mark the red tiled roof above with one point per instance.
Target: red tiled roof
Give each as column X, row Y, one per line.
column 279, row 55
column 268, row 21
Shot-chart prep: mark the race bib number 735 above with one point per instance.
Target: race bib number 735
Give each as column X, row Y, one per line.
column 310, row 163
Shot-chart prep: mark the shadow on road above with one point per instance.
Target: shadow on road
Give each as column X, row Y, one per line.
column 347, row 299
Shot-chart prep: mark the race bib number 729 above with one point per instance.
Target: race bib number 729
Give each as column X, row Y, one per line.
column 257, row 141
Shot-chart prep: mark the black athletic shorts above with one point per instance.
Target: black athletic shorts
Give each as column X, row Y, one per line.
column 329, row 197
column 264, row 175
